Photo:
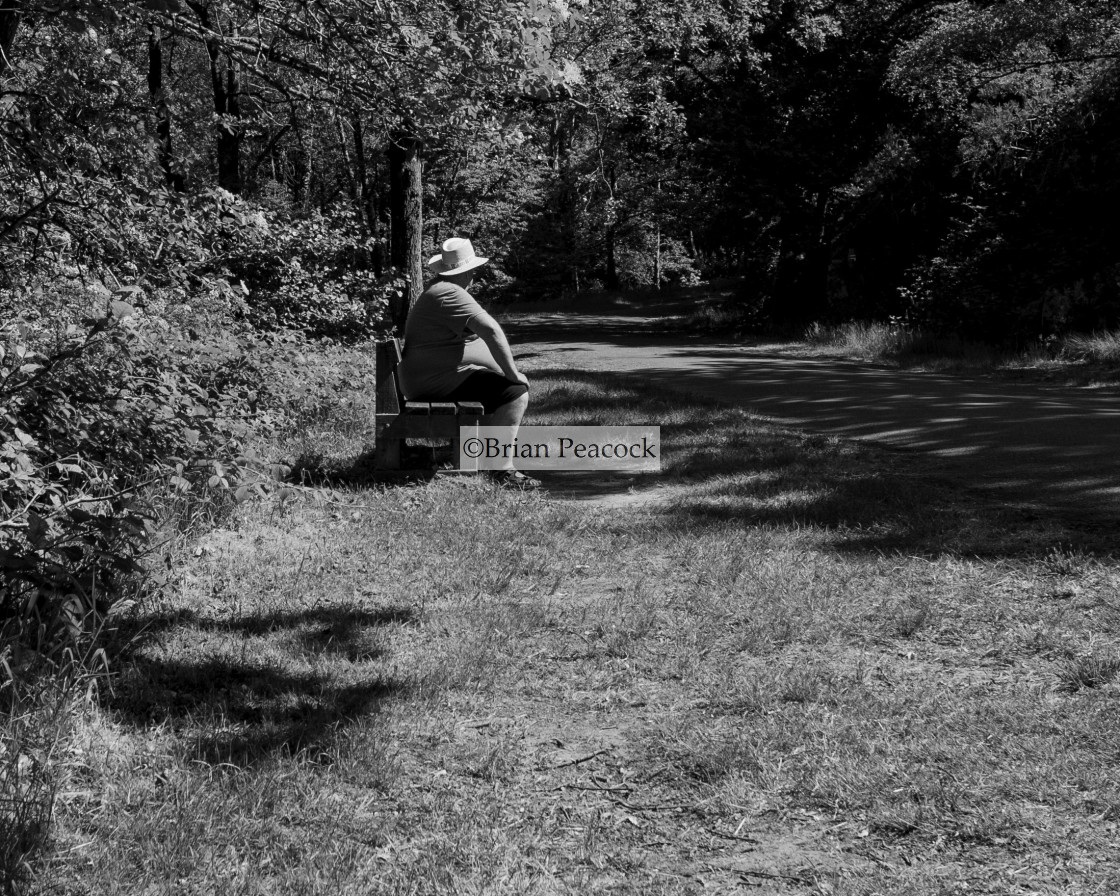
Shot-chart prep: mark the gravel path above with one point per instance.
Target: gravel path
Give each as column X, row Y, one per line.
column 1054, row 448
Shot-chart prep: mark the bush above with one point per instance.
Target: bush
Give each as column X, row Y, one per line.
column 309, row 274
column 98, row 412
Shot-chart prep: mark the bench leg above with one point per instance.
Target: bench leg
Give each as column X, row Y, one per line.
column 386, row 449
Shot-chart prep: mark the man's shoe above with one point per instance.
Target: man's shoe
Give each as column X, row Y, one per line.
column 514, row 479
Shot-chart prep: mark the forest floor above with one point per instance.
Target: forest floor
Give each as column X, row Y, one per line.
column 788, row 663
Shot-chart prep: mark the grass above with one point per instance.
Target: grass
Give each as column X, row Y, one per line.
column 1092, row 359
column 806, row 666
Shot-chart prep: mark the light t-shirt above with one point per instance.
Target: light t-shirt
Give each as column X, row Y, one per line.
column 439, row 351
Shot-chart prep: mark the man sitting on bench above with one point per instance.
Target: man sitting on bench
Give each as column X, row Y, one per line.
column 455, row 351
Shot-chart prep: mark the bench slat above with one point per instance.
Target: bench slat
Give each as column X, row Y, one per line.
column 471, row 409
column 443, row 408
column 417, row 408
column 406, row 427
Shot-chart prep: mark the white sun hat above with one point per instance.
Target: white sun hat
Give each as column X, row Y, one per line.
column 457, row 256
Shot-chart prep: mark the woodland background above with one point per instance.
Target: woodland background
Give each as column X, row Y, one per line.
column 193, row 192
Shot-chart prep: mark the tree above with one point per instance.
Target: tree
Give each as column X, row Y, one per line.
column 406, row 212
column 9, row 23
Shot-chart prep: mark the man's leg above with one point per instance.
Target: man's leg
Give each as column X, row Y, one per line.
column 508, row 416
column 505, row 402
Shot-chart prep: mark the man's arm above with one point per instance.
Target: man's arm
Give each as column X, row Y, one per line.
column 490, row 331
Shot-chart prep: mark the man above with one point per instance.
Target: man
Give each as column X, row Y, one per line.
column 455, row 351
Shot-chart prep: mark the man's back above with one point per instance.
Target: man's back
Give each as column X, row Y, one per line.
column 439, row 350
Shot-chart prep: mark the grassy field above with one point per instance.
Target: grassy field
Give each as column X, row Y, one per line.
column 788, row 664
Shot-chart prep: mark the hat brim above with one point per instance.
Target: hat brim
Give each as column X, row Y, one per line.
column 436, row 264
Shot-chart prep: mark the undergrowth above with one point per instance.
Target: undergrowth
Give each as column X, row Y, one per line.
column 895, row 343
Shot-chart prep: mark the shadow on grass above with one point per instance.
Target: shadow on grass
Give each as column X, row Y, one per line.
column 249, row 711
column 252, row 708
column 360, row 473
column 726, row 468
column 336, row 618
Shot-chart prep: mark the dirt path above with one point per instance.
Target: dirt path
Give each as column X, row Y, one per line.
column 1054, row 448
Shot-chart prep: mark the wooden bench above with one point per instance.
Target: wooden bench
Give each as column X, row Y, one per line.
column 397, row 419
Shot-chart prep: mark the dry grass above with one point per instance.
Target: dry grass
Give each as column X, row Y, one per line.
column 1082, row 359
column 808, row 668
column 1100, row 348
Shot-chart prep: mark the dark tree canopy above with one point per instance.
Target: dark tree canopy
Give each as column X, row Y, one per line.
column 944, row 162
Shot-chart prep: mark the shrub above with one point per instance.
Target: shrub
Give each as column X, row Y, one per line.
column 96, row 412
column 309, row 274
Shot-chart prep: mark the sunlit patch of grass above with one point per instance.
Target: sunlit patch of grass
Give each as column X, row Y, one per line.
column 906, row 346
column 1065, row 561
column 726, row 318
column 861, row 339
column 1093, row 670
column 1080, row 358
column 1099, row 348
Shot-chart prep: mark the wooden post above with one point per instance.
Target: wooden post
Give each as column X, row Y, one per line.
column 407, row 227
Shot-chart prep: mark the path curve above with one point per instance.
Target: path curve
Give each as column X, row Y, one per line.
column 1047, row 446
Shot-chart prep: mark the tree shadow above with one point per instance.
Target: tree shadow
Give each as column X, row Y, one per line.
column 246, row 711
column 723, row 468
column 250, row 709
column 419, row 464
column 342, row 619
column 900, row 509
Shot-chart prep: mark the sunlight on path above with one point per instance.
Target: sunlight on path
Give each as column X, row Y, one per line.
column 1043, row 446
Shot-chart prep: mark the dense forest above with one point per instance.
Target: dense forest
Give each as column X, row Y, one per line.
column 285, row 161
column 191, row 189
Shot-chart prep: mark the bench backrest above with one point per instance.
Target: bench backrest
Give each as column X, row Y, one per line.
column 388, row 396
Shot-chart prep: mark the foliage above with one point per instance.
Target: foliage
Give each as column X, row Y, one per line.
column 67, row 121
column 307, row 274
column 91, row 417
column 1027, row 93
column 101, row 415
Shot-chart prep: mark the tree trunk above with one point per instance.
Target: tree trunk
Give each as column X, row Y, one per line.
column 561, row 153
column 9, row 24
column 365, row 192
column 301, row 165
column 398, row 246
column 612, row 263
column 225, row 76
column 353, row 183
column 611, row 282
column 407, row 222
column 158, row 96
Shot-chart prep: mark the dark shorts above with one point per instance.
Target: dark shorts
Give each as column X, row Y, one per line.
column 488, row 387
